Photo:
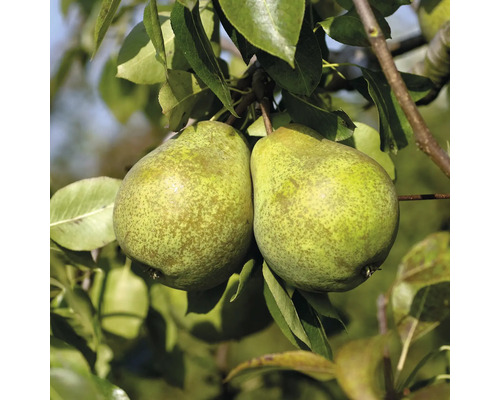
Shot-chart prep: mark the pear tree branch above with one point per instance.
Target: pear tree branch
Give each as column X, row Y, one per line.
column 433, row 196
column 423, row 137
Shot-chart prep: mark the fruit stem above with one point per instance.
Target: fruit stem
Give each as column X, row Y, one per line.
column 423, row 136
column 434, row 196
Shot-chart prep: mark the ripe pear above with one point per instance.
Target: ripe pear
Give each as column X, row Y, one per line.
column 185, row 209
column 246, row 315
column 325, row 214
column 432, row 14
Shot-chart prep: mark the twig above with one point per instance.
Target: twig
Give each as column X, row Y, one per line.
column 382, row 327
column 263, row 88
column 434, row 196
column 423, row 137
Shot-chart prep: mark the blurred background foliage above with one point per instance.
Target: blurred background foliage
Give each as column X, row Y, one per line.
column 89, row 139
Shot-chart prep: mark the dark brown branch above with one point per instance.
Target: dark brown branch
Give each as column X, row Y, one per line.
column 423, row 137
column 240, row 109
column 435, row 196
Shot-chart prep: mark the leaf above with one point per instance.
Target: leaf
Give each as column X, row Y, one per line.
column 81, row 214
column 357, row 364
column 188, row 3
column 421, row 293
column 305, row 362
column 367, row 140
column 270, row 25
column 104, row 19
column 348, row 28
column 284, row 304
column 437, row 391
column 312, row 326
column 198, row 51
column 137, row 60
column 202, row 302
column 124, row 303
column 181, row 96
column 304, row 77
column 395, row 130
column 322, row 304
column 151, row 21
column 334, row 125
column 385, row 7
column 258, row 129
column 81, row 259
column 160, row 323
column 122, row 97
column 245, row 274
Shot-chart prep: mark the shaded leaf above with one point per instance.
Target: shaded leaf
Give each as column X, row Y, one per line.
column 81, row 259
column 334, row 125
column 122, row 97
column 357, row 364
column 137, row 60
column 348, row 28
column 197, row 49
column 322, row 304
column 312, row 326
column 284, row 304
column 124, row 303
column 81, row 213
column 385, row 7
column 151, row 21
column 104, row 19
column 367, row 140
column 245, row 274
column 437, row 391
column 270, row 25
column 202, row 302
column 421, row 292
column 305, row 362
column 181, row 96
column 395, row 130
column 159, row 320
column 304, row 77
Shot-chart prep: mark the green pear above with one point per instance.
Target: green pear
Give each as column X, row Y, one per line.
column 325, row 214
column 432, row 14
column 185, row 209
column 228, row 320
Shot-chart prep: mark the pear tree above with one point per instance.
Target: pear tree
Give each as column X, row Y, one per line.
column 264, row 237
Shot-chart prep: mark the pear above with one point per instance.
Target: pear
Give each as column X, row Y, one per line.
column 185, row 209
column 227, row 320
column 432, row 14
column 325, row 214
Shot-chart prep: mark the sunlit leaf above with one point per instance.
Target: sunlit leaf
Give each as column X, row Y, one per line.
column 270, row 25
column 104, row 19
column 305, row 362
column 334, row 125
column 285, row 305
column 245, row 274
column 358, row 365
column 189, row 3
column 306, row 74
column 153, row 27
column 197, row 49
column 421, row 292
column 81, row 213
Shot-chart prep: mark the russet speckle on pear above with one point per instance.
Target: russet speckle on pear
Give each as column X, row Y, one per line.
column 325, row 214
column 185, row 209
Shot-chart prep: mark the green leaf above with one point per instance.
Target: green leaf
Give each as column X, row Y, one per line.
column 334, row 125
column 304, row 77
column 385, row 7
column 367, row 140
column 312, row 326
column 348, row 28
column 285, row 305
column 322, row 304
column 81, row 214
column 159, row 320
column 277, row 119
column 137, row 60
column 81, row 259
column 245, row 274
column 395, row 130
column 181, row 96
column 197, row 49
column 358, row 367
column 437, row 391
column 305, row 362
column 71, row 384
column 421, row 292
column 189, row 3
column 152, row 23
column 122, row 97
column 104, row 19
column 124, row 303
column 270, row 25
column 203, row 301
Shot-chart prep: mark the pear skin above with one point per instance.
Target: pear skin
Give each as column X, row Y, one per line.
column 325, row 214
column 185, row 209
